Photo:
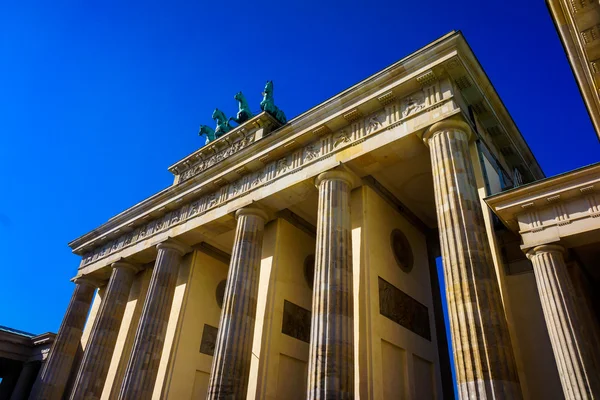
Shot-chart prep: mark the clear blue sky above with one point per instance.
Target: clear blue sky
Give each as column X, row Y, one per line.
column 97, row 99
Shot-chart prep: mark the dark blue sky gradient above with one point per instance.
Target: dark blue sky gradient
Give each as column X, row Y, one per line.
column 97, row 99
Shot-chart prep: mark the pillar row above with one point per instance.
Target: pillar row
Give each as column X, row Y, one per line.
column 103, row 337
column 26, row 379
column 53, row 377
column 233, row 348
column 483, row 355
column 331, row 355
column 572, row 352
column 142, row 369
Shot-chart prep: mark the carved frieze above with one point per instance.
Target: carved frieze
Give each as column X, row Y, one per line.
column 202, row 165
column 209, row 340
column 403, row 309
column 296, row 321
column 413, row 103
column 321, row 147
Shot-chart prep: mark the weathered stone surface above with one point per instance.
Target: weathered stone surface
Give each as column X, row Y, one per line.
column 140, row 375
column 101, row 344
column 209, row 340
column 403, row 309
column 570, row 343
column 485, row 365
column 231, row 363
column 53, row 377
column 296, row 321
column 331, row 359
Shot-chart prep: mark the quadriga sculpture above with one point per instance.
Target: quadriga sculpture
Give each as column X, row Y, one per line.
column 208, row 132
column 222, row 123
column 268, row 104
column 244, row 113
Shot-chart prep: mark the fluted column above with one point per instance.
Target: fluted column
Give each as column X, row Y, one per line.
column 103, row 337
column 233, row 349
column 26, row 379
column 51, row 381
column 331, row 356
column 483, row 355
column 578, row 374
column 140, row 375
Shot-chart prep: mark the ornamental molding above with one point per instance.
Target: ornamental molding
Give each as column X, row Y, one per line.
column 216, row 151
column 389, row 117
column 252, row 166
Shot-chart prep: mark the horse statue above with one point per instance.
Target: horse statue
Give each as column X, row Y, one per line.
column 208, row 132
column 268, row 104
column 244, row 113
column 222, row 123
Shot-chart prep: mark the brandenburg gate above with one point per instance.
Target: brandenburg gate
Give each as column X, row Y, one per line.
column 295, row 259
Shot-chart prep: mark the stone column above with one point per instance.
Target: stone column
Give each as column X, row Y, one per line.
column 331, row 356
column 103, row 337
column 51, row 381
column 140, row 375
column 26, row 380
column 483, row 355
column 572, row 352
column 233, row 349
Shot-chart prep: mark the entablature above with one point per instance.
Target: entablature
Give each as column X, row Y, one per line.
column 405, row 97
column 224, row 147
column 554, row 209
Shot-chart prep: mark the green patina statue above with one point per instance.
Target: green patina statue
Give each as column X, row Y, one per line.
column 208, row 132
column 222, row 123
column 244, row 113
column 268, row 104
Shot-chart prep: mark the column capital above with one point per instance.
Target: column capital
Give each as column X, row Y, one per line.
column 251, row 211
column 86, row 280
column 448, row 124
column 546, row 248
column 173, row 245
column 124, row 264
column 334, row 175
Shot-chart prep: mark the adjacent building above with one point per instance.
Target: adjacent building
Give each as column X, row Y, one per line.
column 22, row 354
column 578, row 25
column 299, row 260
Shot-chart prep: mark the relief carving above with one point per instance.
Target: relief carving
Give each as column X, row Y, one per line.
column 296, row 321
column 283, row 165
column 311, row 152
column 340, row 138
column 209, row 340
column 374, row 122
column 202, row 165
column 413, row 104
column 315, row 150
column 403, row 309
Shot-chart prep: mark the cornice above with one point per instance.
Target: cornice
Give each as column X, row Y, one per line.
column 543, row 193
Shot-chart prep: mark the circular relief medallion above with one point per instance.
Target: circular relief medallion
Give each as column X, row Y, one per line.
column 220, row 292
column 309, row 270
column 402, row 251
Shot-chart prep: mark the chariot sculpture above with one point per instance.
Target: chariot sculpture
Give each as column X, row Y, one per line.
column 244, row 114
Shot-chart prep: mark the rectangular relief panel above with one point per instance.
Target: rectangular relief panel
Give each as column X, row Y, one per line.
column 296, row 321
column 209, row 339
column 403, row 309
